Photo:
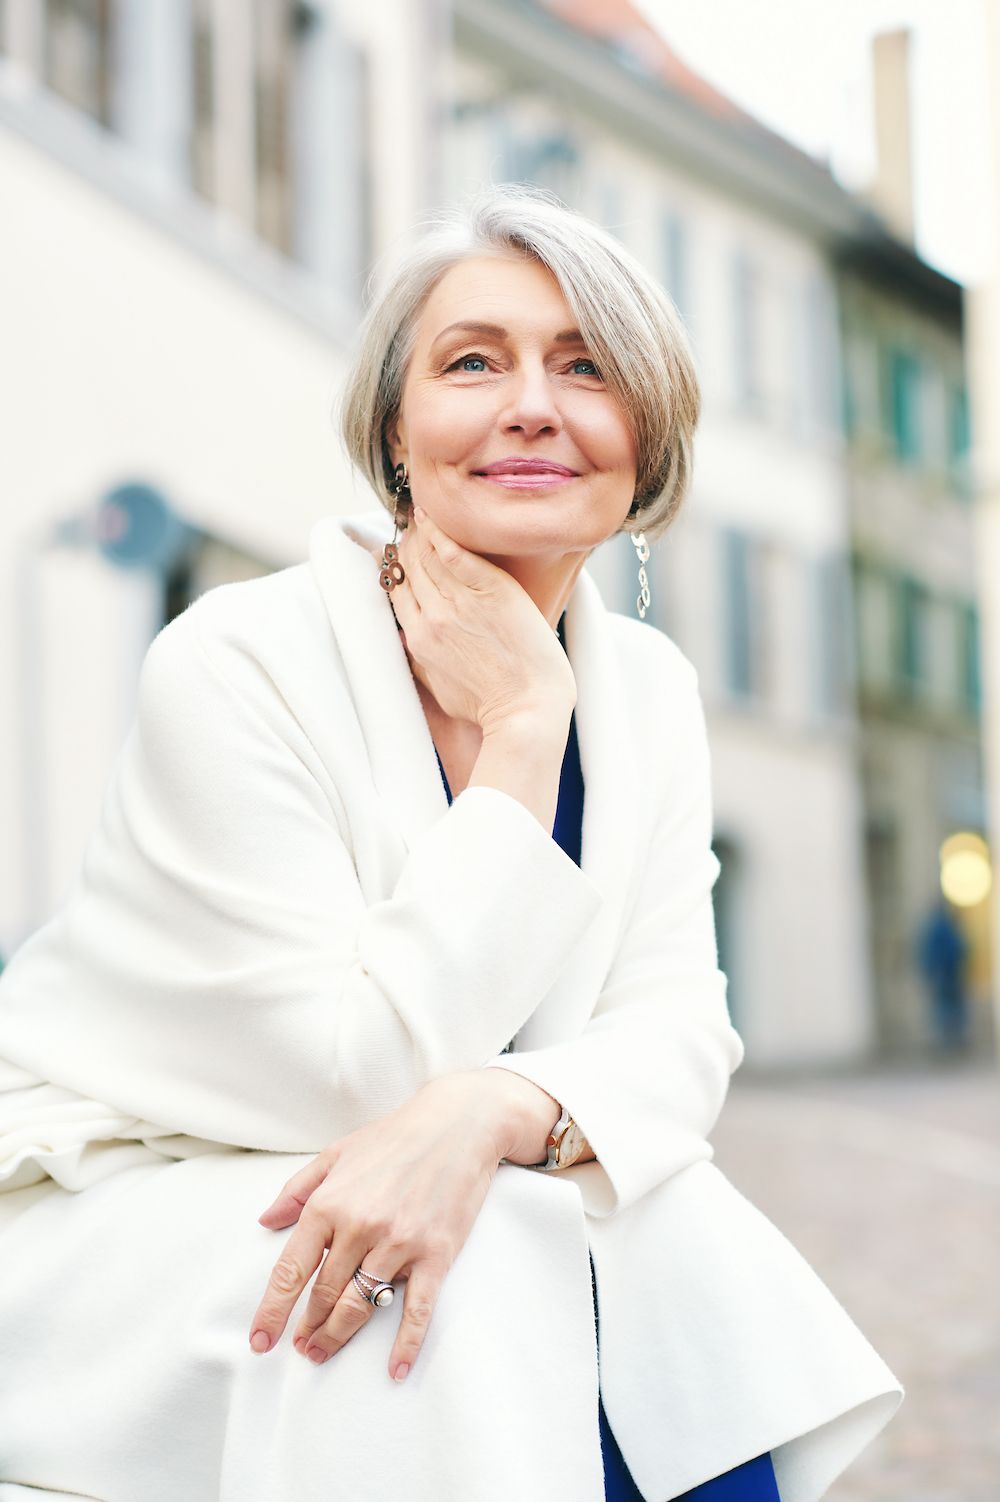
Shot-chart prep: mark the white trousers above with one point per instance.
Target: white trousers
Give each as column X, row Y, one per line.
column 126, row 1373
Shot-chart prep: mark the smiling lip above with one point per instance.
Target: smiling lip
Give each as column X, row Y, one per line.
column 526, row 467
column 526, row 474
column 528, row 479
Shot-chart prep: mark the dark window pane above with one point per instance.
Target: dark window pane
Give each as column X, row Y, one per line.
column 970, row 666
column 738, row 611
column 904, row 395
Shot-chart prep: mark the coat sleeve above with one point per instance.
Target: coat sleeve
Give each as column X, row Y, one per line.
column 218, row 970
column 647, row 1077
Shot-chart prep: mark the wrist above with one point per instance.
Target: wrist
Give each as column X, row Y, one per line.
column 530, row 726
column 508, row 1116
column 522, row 1115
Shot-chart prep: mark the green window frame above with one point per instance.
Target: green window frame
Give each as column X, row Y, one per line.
column 904, row 406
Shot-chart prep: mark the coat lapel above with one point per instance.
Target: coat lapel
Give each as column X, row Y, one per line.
column 395, row 730
column 404, row 764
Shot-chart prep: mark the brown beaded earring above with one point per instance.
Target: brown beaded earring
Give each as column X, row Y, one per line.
column 391, row 571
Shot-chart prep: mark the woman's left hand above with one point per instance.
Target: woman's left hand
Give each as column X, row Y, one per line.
column 398, row 1198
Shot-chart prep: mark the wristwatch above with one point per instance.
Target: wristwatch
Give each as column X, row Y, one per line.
column 564, row 1145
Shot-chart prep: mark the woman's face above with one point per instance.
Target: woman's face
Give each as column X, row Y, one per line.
column 523, row 388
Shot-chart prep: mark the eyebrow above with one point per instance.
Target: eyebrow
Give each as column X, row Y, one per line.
column 494, row 331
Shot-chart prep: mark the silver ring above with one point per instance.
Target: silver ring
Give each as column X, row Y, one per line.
column 376, row 1290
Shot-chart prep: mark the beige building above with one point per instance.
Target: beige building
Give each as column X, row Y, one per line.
column 917, row 618
column 917, row 621
column 191, row 205
column 754, row 579
column 822, row 574
column 983, row 317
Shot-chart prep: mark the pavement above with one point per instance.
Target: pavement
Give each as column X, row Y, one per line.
column 888, row 1182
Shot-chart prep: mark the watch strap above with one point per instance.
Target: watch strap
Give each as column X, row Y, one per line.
column 554, row 1142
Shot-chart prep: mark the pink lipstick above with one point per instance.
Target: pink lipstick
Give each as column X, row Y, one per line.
column 523, row 473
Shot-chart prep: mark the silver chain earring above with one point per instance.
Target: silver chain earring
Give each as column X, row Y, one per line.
column 642, row 552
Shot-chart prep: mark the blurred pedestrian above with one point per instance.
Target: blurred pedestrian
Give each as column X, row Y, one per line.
column 941, row 952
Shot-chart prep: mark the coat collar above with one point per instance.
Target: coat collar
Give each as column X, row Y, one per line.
column 401, row 749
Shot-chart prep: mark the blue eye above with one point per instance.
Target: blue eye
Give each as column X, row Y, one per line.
column 464, row 359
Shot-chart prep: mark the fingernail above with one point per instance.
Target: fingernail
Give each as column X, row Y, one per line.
column 419, row 513
column 401, row 1371
column 260, row 1340
column 315, row 1354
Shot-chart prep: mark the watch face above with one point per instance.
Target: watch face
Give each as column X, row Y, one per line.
column 571, row 1145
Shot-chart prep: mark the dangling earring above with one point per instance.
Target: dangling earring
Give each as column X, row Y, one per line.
column 391, row 572
column 642, row 552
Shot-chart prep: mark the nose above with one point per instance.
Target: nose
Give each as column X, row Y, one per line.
column 530, row 404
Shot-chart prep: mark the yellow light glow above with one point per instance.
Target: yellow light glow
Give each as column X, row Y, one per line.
column 966, row 873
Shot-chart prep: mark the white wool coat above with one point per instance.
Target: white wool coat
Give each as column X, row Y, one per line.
column 279, row 931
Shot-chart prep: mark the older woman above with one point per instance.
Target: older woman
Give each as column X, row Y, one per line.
column 391, row 970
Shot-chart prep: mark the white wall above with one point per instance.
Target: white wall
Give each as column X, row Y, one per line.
column 128, row 355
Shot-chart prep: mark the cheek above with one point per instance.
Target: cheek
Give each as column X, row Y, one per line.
column 606, row 438
column 446, row 426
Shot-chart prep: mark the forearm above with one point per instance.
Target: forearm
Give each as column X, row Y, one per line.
column 523, row 757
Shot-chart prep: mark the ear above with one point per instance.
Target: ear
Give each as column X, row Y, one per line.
column 394, row 442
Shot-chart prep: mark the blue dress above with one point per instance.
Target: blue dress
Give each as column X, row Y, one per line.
column 754, row 1481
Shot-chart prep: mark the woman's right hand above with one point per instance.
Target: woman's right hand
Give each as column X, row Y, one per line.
column 475, row 637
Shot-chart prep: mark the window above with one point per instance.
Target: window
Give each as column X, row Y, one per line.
column 274, row 82
column 746, row 333
column 874, row 622
column 548, row 158
column 328, row 100
column 741, row 610
column 904, row 405
column 912, row 653
column 848, row 406
column 862, row 372
column 969, row 668
column 959, row 438
column 77, row 62
column 271, row 105
column 203, row 97
column 833, row 623
column 934, row 418
column 675, row 259
column 821, row 374
column 958, row 433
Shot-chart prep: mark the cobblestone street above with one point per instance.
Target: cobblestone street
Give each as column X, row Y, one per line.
column 889, row 1184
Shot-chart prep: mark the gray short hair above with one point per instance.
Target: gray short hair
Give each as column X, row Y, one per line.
column 631, row 327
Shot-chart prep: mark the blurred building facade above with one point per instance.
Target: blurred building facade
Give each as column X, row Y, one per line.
column 982, row 304
column 751, row 580
column 226, row 173
column 906, row 418
column 917, row 619
column 836, row 635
